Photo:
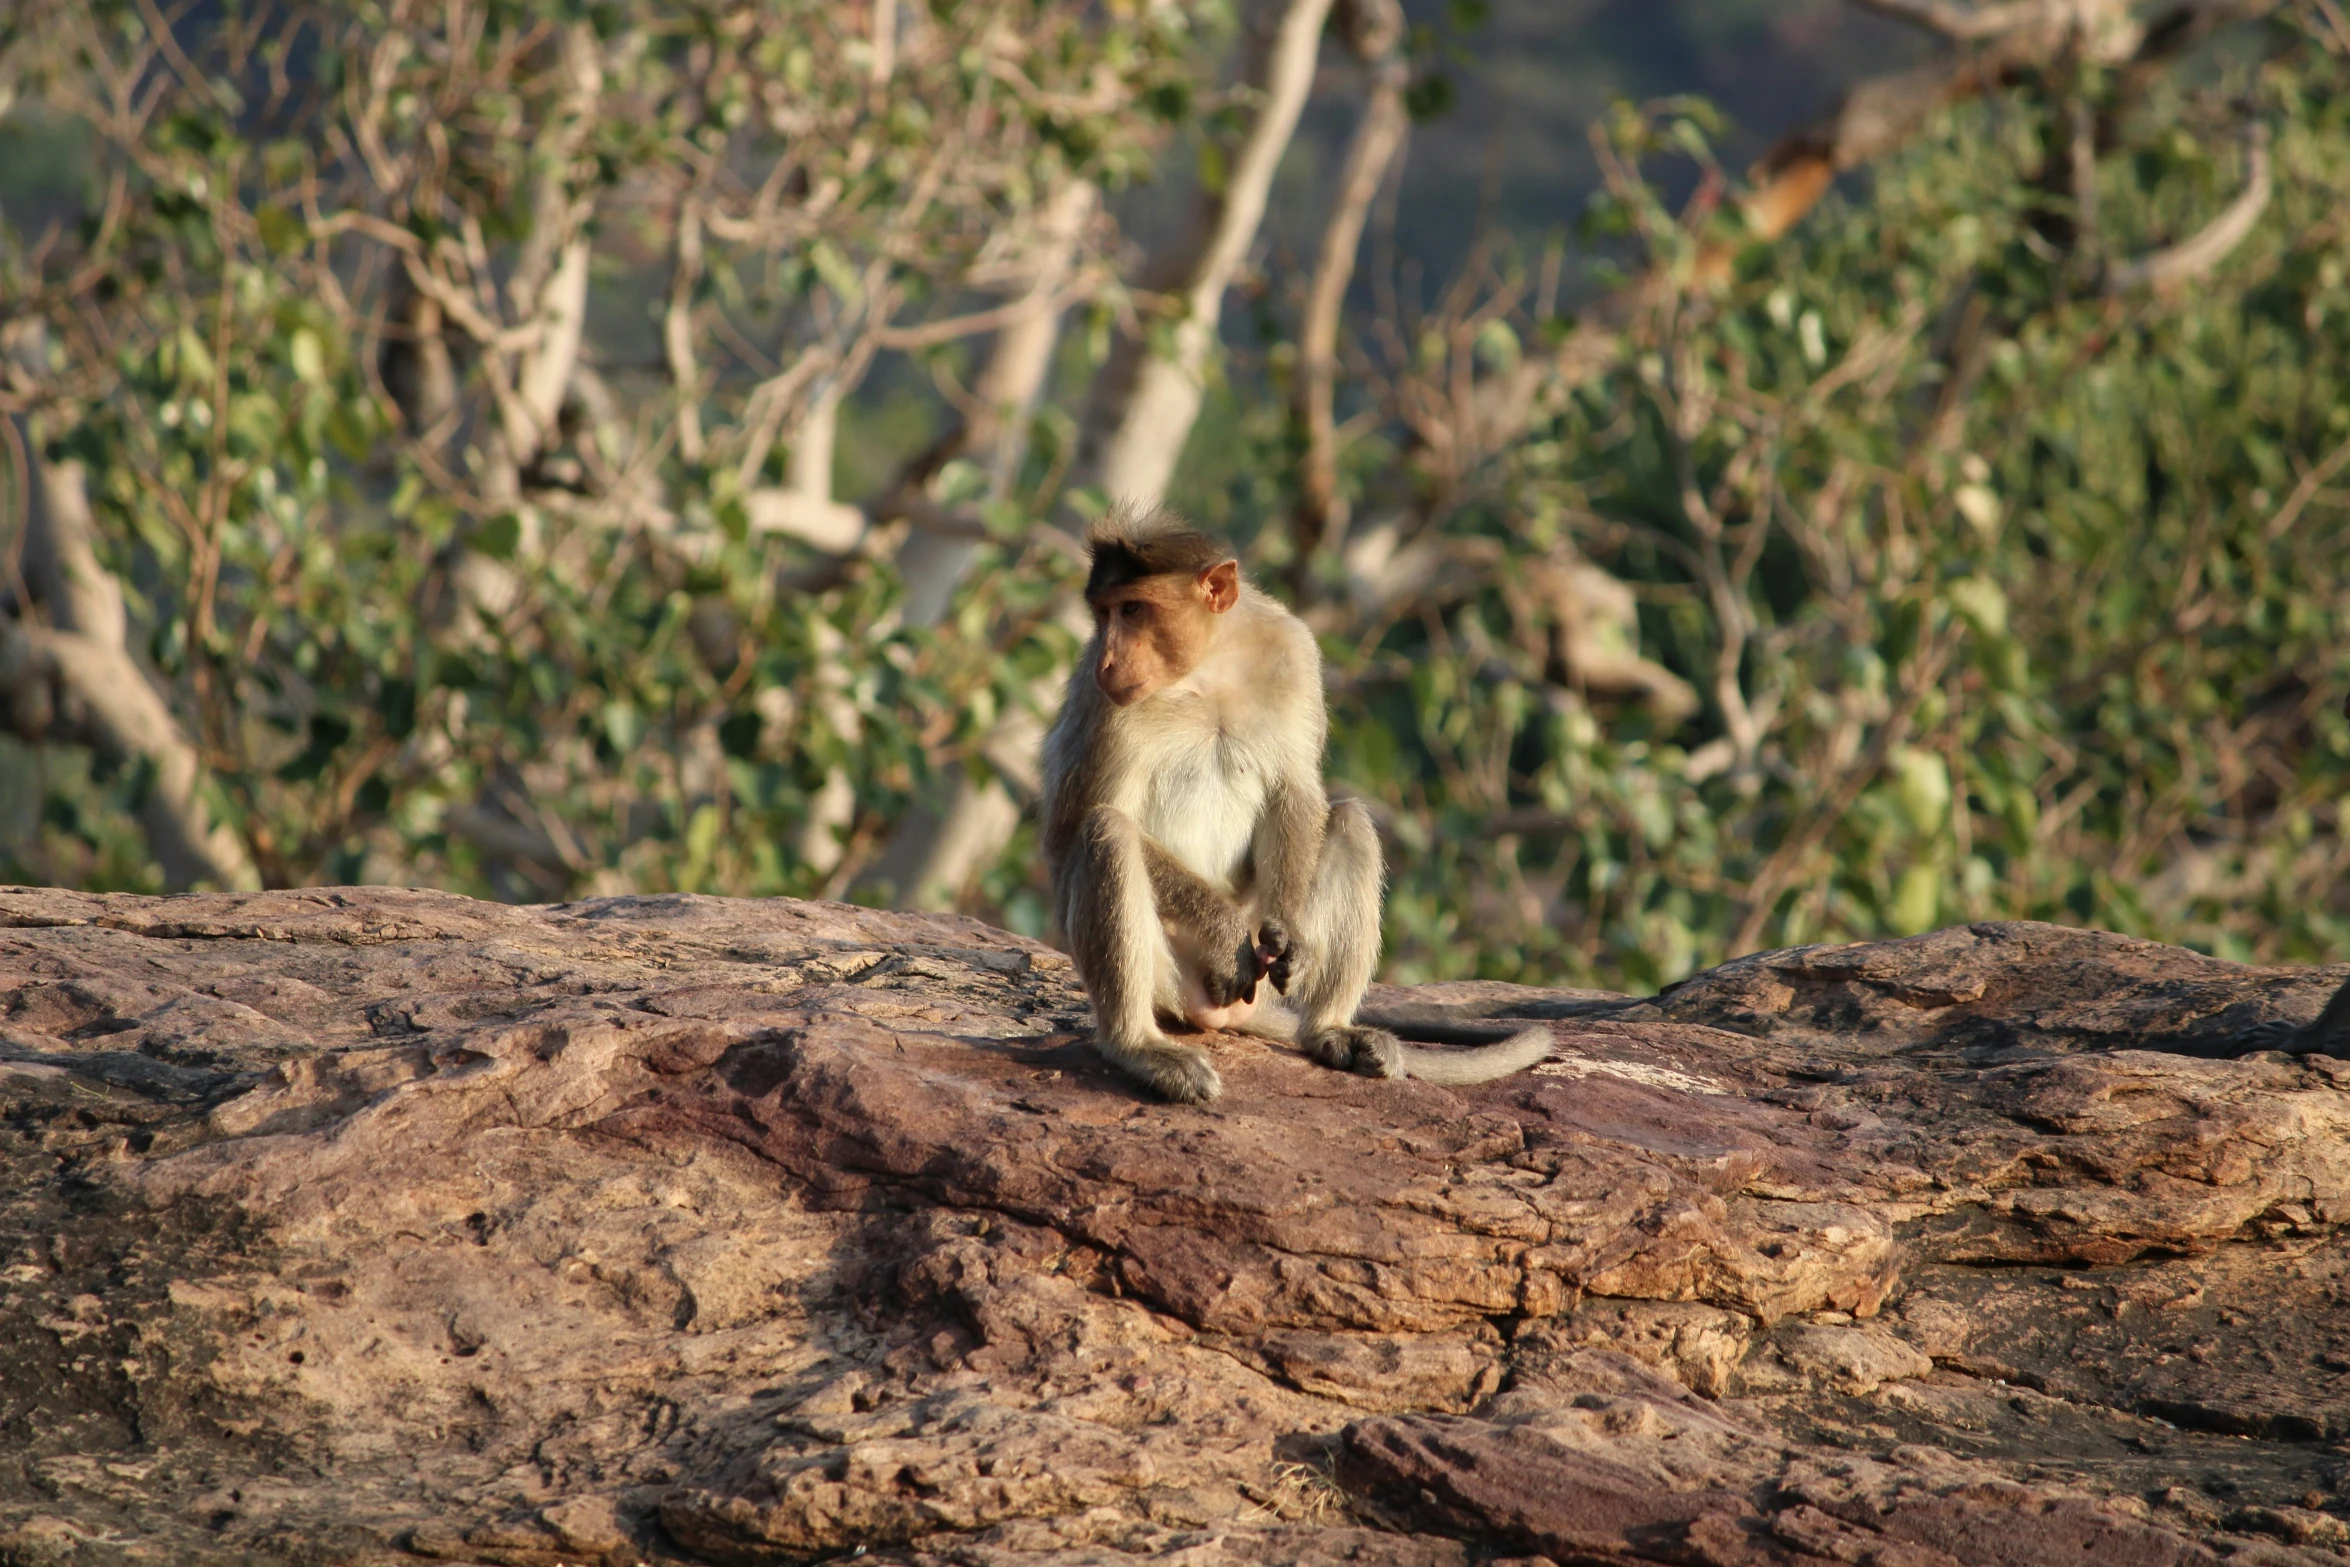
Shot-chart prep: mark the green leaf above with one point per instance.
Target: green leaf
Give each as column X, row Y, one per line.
column 1213, row 167
column 328, row 731
column 733, row 518
column 738, row 733
column 350, row 428
column 307, row 355
column 834, row 268
column 282, row 232
column 1917, row 899
column 624, row 726
column 1922, row 784
column 499, row 536
column 1429, row 96
column 1981, row 603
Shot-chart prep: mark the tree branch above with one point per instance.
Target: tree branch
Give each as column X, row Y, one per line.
column 1378, row 32
column 1962, row 22
column 2196, row 255
column 677, row 331
column 74, row 679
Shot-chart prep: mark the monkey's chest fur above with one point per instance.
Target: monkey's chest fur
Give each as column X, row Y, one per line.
column 1207, row 779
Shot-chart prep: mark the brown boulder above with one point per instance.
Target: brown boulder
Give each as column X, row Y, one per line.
column 370, row 1225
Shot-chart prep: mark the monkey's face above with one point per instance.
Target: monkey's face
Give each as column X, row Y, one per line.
column 1151, row 632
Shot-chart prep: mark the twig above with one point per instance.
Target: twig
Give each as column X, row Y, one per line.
column 2205, row 249
column 2306, row 491
column 929, row 334
column 1963, row 22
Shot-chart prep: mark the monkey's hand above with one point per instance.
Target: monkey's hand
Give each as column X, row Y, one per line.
column 1277, row 954
column 1239, row 982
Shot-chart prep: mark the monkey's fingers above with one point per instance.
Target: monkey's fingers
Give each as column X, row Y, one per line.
column 1252, row 968
column 1277, row 954
column 1248, row 966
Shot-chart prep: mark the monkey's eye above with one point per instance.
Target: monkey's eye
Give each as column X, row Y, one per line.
column 1130, row 610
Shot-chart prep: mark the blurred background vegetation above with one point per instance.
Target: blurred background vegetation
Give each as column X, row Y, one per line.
column 1761, row 473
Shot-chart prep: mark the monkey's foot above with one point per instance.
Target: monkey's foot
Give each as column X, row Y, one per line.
column 2295, row 1039
column 1178, row 1072
column 1373, row 1052
column 2275, row 1034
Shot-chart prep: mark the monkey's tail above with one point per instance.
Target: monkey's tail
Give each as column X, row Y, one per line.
column 1497, row 1049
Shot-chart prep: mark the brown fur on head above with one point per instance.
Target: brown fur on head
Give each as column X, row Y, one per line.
column 1156, row 588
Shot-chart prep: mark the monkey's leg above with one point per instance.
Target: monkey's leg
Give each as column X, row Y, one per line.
column 1128, row 968
column 1341, row 943
column 1339, row 932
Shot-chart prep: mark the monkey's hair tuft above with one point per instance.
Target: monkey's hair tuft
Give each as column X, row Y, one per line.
column 1131, row 542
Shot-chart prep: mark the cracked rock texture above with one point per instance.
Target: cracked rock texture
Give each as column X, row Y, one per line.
column 382, row 1226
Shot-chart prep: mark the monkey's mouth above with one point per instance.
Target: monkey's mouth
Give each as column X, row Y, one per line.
column 1125, row 695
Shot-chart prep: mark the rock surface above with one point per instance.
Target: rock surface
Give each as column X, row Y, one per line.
column 377, row 1226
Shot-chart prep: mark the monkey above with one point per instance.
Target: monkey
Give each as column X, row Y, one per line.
column 1191, row 846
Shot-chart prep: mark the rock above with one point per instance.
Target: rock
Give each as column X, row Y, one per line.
column 1699, row 1346
column 1853, row 1359
column 370, row 1225
column 587, row 1526
column 1635, row 1474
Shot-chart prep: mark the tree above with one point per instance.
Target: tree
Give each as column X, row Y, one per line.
column 428, row 555
column 543, row 455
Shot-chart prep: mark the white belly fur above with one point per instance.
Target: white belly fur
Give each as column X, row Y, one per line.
column 1203, row 805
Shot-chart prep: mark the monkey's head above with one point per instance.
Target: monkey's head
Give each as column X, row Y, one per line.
column 1156, row 589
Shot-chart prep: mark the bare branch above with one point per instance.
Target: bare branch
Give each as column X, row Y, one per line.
column 1320, row 509
column 1047, row 302
column 1962, row 22
column 770, row 404
column 74, row 679
column 2306, row 491
column 546, row 364
column 2196, row 255
column 815, row 520
column 885, row 40
column 677, row 330
column 2337, row 34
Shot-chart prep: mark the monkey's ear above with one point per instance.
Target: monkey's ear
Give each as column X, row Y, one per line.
column 1219, row 586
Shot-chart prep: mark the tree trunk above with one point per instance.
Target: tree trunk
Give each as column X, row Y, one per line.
column 74, row 679
column 832, row 810
column 1377, row 35
column 1145, row 402
column 933, row 561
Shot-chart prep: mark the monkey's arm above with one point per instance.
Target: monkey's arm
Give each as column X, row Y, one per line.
column 1206, row 925
column 1285, row 851
column 1182, row 896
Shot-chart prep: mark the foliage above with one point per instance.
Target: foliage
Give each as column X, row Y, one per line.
column 417, row 637
column 2008, row 597
column 1967, row 586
